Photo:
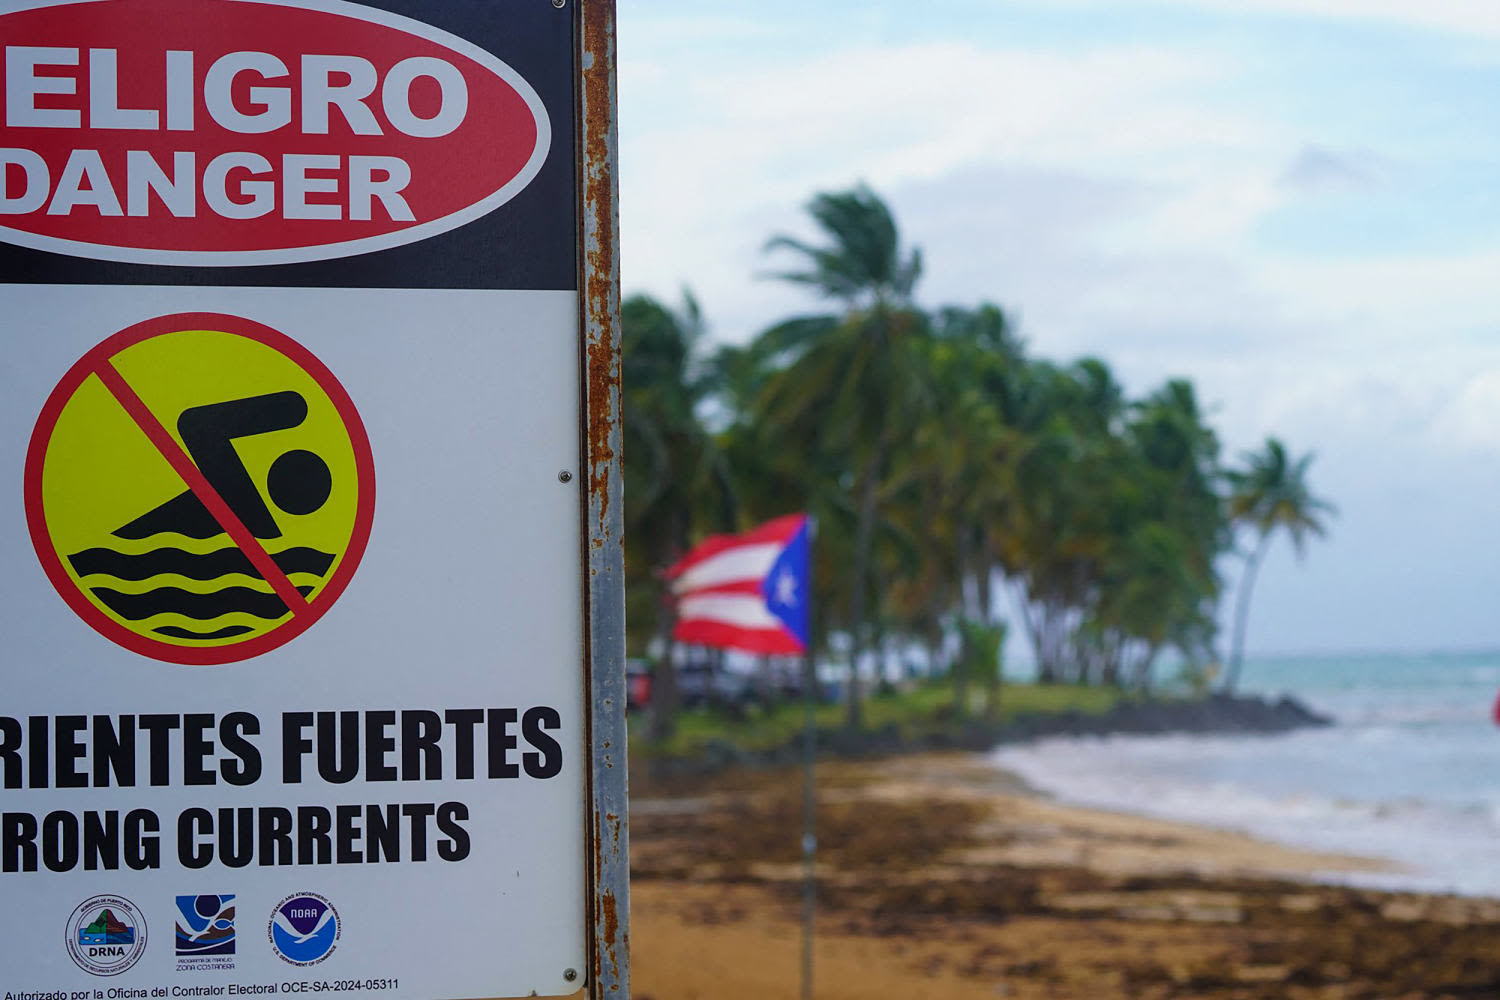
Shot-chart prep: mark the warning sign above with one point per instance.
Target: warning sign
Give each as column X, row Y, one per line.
column 227, row 676
column 199, row 488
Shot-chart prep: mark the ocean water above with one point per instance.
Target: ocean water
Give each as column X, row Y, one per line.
column 1410, row 772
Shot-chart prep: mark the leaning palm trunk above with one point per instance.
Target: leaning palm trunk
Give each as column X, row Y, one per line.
column 996, row 629
column 765, row 681
column 987, row 641
column 664, row 695
column 961, row 671
column 863, row 539
column 1242, row 612
column 960, row 674
column 934, row 644
column 1143, row 668
column 1033, row 631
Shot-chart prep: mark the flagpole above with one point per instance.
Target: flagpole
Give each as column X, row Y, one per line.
column 809, row 785
column 783, row 579
column 809, row 818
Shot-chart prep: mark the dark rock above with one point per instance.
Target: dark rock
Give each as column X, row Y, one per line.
column 1218, row 713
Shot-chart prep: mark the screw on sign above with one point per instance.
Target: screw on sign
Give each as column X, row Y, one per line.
column 199, row 488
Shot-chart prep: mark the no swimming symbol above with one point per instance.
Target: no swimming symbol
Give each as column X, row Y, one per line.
column 199, row 488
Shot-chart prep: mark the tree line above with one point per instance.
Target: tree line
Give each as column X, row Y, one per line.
column 943, row 463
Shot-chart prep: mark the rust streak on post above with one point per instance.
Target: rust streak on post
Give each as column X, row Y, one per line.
column 601, row 268
column 603, row 553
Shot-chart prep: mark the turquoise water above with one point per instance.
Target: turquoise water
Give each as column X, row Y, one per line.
column 1409, row 774
column 1410, row 727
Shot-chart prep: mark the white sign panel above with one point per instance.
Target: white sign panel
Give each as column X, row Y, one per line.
column 292, row 692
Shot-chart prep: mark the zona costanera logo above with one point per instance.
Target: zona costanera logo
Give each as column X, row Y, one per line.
column 304, row 929
column 205, row 933
column 106, row 935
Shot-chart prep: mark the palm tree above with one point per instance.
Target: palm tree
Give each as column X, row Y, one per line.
column 677, row 480
column 1065, row 486
column 961, row 452
column 1181, row 527
column 865, row 265
column 845, row 386
column 1270, row 493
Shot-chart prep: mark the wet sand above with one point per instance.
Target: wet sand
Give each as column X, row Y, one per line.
column 940, row 876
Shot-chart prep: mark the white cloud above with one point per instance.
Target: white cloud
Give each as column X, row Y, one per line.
column 1391, row 302
column 1211, row 208
column 1469, row 17
column 714, row 162
column 1471, row 419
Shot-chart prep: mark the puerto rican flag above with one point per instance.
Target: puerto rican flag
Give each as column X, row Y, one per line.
column 747, row 592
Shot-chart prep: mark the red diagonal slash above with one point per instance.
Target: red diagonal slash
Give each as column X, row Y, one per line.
column 201, row 487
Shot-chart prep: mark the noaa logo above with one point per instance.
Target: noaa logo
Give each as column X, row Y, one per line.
column 304, row 929
column 106, row 935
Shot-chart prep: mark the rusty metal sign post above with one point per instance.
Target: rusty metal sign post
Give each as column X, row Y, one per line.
column 604, row 557
column 312, row 646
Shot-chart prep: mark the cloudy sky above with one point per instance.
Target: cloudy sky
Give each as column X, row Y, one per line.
column 1296, row 203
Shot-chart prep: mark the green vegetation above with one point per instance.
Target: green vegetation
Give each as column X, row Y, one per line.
column 927, row 708
column 945, row 466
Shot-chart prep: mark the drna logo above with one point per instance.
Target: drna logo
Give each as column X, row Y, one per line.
column 106, row 935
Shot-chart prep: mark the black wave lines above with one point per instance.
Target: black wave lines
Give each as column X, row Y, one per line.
column 200, row 607
column 209, row 566
column 227, row 632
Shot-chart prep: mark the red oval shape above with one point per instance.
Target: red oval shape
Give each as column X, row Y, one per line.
column 233, row 132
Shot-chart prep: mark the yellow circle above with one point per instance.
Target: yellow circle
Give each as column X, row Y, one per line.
column 201, row 489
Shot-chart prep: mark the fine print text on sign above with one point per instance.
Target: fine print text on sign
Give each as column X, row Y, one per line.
column 289, row 511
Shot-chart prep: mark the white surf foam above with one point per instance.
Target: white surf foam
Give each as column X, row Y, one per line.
column 1340, row 790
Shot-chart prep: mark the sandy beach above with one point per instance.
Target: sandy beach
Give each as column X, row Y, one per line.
column 942, row 876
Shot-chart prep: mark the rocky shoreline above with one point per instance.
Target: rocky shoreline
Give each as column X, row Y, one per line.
column 1218, row 713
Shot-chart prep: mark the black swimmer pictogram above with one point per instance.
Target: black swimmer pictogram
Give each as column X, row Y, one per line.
column 297, row 483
